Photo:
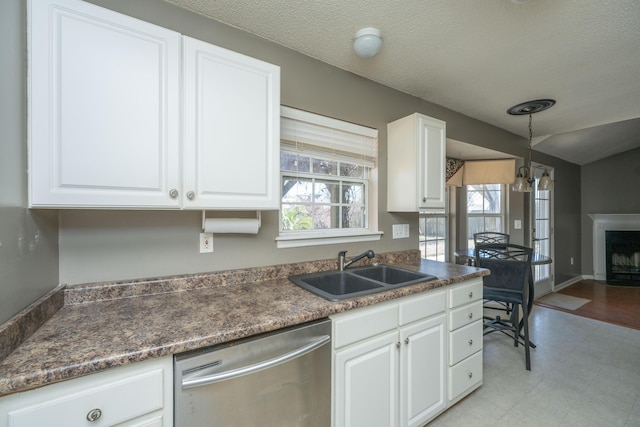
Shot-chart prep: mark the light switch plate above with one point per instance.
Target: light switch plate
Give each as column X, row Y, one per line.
column 397, row 231
column 405, row 230
column 517, row 224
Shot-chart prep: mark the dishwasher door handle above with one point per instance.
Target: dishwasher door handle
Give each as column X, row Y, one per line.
column 210, row 379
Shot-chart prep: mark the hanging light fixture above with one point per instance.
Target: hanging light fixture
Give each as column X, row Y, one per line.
column 525, row 177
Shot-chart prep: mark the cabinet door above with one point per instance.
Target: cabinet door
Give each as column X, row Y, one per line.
column 422, row 371
column 139, row 394
column 104, row 108
column 432, row 136
column 231, row 129
column 365, row 389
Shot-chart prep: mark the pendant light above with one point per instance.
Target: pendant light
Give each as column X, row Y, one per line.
column 525, row 176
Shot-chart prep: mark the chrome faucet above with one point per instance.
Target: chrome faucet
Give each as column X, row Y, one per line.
column 342, row 254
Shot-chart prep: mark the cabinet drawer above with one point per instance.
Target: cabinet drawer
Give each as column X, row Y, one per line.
column 466, row 293
column 116, row 402
column 464, row 342
column 352, row 327
column 465, row 375
column 464, row 315
column 421, row 306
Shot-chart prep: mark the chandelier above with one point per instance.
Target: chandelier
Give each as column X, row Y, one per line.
column 525, row 176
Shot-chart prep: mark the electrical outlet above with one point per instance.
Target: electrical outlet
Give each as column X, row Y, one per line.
column 517, row 224
column 206, row 242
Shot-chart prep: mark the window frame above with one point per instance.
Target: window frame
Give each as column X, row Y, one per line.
column 503, row 214
column 328, row 126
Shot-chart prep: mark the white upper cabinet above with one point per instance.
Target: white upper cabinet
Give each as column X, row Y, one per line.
column 231, row 129
column 106, row 113
column 103, row 108
column 416, row 164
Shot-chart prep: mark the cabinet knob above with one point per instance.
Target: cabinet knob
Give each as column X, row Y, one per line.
column 94, row 415
column 470, row 294
column 470, row 342
column 191, row 195
column 470, row 374
column 424, row 199
column 173, row 193
column 470, row 315
column 398, row 344
column 406, row 340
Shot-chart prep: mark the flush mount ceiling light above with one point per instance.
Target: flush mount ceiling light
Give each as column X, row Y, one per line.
column 525, row 176
column 367, row 42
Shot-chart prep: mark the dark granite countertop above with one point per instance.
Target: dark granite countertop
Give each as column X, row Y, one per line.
column 111, row 324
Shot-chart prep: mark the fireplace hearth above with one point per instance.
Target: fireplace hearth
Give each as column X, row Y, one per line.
column 623, row 257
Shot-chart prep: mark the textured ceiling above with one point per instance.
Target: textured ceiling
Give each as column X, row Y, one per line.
column 479, row 58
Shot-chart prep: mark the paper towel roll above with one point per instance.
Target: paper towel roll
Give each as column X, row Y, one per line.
column 232, row 225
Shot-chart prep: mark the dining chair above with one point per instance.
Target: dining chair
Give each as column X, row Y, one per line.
column 490, row 237
column 508, row 283
column 487, row 237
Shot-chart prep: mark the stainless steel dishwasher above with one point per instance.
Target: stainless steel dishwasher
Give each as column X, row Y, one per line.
column 278, row 379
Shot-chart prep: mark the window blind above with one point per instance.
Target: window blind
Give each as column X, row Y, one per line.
column 313, row 134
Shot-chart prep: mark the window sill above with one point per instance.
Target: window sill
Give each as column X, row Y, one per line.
column 296, row 240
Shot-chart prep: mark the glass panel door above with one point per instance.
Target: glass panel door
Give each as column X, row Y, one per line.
column 542, row 235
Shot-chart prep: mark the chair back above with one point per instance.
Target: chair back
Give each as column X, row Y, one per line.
column 510, row 266
column 486, row 237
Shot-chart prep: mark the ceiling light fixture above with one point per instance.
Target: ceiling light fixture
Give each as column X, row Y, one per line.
column 525, row 176
column 367, row 43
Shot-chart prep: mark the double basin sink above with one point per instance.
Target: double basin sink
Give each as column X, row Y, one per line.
column 338, row 285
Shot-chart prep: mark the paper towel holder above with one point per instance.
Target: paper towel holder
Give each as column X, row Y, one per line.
column 258, row 217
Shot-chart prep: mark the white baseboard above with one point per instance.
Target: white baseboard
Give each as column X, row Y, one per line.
column 559, row 286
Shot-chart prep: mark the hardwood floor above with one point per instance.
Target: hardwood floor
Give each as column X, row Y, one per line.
column 619, row 305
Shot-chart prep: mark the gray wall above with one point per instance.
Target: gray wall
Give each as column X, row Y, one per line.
column 609, row 186
column 108, row 245
column 28, row 240
column 97, row 246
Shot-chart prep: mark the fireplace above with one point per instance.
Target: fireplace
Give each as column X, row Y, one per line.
column 622, row 257
column 604, row 224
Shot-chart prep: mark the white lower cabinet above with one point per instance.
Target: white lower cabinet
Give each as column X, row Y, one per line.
column 392, row 373
column 465, row 339
column 404, row 362
column 137, row 395
column 366, row 383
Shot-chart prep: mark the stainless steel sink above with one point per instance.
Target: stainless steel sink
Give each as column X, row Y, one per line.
column 337, row 285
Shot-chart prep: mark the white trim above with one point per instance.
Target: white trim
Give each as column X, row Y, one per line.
column 326, row 238
column 572, row 281
column 606, row 222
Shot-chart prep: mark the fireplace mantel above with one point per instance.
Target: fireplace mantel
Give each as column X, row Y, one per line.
column 602, row 223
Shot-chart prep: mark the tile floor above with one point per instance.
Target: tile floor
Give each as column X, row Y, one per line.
column 584, row 373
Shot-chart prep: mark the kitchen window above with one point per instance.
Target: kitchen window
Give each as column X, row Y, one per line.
column 433, row 236
column 486, row 209
column 328, row 181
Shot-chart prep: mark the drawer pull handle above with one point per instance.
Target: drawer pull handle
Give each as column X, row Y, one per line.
column 470, row 342
column 470, row 374
column 471, row 294
column 94, row 415
column 470, row 315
